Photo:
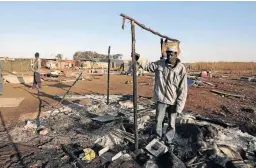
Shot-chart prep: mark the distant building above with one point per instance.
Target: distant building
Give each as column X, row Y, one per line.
column 64, row 64
column 86, row 64
column 59, row 64
column 101, row 64
column 114, row 63
column 45, row 60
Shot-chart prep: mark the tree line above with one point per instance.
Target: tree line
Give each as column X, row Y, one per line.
column 90, row 55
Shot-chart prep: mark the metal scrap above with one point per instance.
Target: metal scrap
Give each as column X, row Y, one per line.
column 105, row 118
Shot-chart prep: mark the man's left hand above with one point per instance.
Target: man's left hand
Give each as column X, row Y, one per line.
column 137, row 56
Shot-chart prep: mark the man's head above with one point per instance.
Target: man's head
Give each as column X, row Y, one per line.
column 172, row 53
column 37, row 55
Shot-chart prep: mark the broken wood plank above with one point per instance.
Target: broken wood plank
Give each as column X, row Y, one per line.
column 70, row 88
column 191, row 161
column 227, row 94
column 224, row 108
column 146, row 28
column 61, row 100
column 118, row 133
column 208, row 83
column 215, row 121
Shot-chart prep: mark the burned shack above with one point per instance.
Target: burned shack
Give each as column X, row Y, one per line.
column 65, row 133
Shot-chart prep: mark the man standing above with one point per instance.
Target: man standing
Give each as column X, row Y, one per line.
column 36, row 70
column 1, row 78
column 170, row 90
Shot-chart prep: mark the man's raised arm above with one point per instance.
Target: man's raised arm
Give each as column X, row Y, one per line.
column 147, row 66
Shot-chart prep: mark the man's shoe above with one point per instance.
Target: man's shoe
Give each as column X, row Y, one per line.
column 170, row 147
column 169, row 136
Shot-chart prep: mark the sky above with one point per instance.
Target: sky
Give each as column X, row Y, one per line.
column 208, row 31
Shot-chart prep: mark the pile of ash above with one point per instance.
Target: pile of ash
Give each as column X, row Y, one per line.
column 59, row 139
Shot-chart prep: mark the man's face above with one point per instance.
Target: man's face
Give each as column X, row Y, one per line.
column 171, row 54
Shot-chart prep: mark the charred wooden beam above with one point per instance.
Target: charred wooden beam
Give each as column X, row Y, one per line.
column 134, row 86
column 108, row 74
column 227, row 94
column 146, row 28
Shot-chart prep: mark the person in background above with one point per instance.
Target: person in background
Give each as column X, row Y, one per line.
column 36, row 70
column 1, row 78
column 170, row 90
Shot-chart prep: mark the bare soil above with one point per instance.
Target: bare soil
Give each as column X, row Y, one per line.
column 200, row 99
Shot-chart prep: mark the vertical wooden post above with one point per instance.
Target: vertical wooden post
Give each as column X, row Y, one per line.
column 108, row 74
column 134, row 86
column 161, row 45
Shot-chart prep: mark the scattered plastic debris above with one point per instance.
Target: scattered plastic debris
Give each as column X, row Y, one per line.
column 198, row 141
column 88, row 155
column 126, row 104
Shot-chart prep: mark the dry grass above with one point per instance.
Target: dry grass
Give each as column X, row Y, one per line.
column 224, row 66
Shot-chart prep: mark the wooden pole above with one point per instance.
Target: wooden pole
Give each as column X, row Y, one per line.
column 134, row 86
column 146, row 28
column 161, row 45
column 133, row 21
column 108, row 74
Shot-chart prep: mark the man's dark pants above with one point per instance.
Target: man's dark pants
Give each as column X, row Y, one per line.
column 37, row 80
column 1, row 87
column 1, row 83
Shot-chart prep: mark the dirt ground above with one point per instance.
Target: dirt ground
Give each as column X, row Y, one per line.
column 200, row 99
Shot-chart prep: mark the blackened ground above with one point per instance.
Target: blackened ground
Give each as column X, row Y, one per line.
column 200, row 101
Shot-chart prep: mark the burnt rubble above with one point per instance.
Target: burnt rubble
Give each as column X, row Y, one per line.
column 58, row 138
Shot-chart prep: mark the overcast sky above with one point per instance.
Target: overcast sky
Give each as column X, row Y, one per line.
column 208, row 31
